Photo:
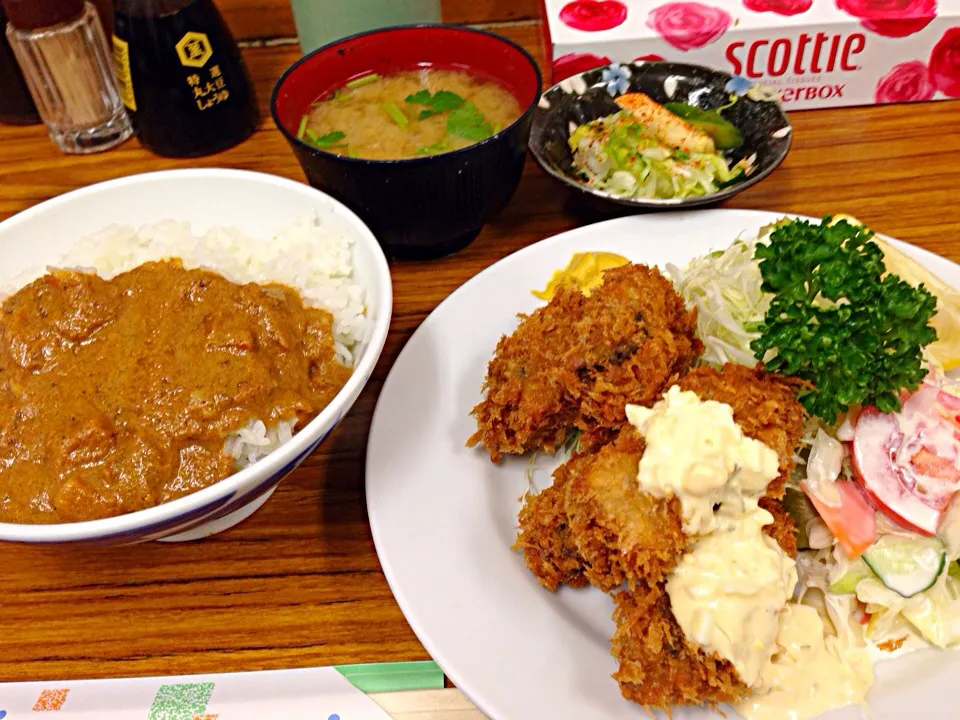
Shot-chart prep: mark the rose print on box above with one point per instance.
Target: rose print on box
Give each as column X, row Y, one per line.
column 780, row 7
column 576, row 63
column 945, row 63
column 594, row 15
column 892, row 18
column 689, row 25
column 906, row 82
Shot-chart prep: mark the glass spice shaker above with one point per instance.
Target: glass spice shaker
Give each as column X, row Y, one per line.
column 182, row 77
column 65, row 59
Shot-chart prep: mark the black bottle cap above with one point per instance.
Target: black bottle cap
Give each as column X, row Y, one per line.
column 37, row 14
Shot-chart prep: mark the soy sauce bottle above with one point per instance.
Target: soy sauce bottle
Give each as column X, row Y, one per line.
column 182, row 77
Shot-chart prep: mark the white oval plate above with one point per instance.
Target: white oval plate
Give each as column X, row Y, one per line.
column 443, row 516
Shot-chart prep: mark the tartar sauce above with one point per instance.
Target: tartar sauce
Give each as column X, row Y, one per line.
column 728, row 591
column 731, row 590
column 810, row 673
column 697, row 452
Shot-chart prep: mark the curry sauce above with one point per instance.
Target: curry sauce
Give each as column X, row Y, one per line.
column 117, row 395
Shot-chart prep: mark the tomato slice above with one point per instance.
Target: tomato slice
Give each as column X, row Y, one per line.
column 912, row 491
column 853, row 523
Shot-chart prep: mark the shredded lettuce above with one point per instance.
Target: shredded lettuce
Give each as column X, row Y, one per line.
column 725, row 288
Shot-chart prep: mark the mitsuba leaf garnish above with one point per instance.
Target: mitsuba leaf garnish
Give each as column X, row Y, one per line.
column 440, row 101
column 468, row 122
column 854, row 335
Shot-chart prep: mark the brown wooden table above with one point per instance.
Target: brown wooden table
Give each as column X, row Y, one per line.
column 298, row 584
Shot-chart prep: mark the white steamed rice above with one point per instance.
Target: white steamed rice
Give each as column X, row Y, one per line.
column 303, row 255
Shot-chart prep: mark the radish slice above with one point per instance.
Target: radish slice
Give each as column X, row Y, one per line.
column 948, row 400
column 892, row 487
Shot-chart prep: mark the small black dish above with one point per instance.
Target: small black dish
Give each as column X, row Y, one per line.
column 581, row 98
column 423, row 207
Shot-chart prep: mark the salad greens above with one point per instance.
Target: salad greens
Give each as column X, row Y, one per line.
column 836, row 322
column 626, row 157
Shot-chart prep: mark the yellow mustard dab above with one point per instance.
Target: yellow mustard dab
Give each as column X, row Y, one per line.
column 946, row 349
column 585, row 271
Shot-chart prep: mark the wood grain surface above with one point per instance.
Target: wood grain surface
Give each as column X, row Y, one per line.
column 298, row 584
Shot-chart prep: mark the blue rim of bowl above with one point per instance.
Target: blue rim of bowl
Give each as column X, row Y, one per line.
column 674, row 203
column 426, row 158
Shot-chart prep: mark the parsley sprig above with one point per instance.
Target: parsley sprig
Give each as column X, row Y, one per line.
column 835, row 321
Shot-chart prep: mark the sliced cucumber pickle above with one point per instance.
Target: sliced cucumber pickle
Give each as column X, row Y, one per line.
column 725, row 134
column 906, row 565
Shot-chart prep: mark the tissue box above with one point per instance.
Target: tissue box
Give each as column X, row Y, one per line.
column 816, row 53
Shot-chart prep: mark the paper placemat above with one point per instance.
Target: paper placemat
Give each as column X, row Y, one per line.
column 329, row 693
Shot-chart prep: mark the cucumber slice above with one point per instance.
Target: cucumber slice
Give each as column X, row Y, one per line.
column 847, row 583
column 907, row 566
column 725, row 134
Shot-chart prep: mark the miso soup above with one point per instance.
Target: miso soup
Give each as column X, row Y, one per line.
column 408, row 114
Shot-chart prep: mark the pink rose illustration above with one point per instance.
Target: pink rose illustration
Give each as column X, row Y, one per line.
column 689, row 25
column 649, row 57
column 575, row 63
column 593, row 15
column 906, row 82
column 781, row 7
column 945, row 63
column 892, row 18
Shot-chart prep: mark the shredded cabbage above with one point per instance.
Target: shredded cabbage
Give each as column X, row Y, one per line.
column 824, row 465
column 725, row 287
column 624, row 157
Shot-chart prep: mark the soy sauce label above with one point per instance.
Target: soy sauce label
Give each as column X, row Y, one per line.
column 194, row 49
column 121, row 61
column 209, row 87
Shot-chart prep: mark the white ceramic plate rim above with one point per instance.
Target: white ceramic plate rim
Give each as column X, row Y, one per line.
column 272, row 463
column 483, row 691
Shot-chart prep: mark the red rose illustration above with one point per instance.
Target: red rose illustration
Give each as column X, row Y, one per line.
column 649, row 57
column 688, row 25
column 781, row 7
column 594, row 15
column 575, row 63
column 945, row 63
column 906, row 82
column 892, row 18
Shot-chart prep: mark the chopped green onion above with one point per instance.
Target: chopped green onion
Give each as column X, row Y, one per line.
column 326, row 142
column 432, row 149
column 303, row 126
column 396, row 114
column 361, row 81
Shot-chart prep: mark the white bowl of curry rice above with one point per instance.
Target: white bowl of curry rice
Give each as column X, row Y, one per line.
column 171, row 346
